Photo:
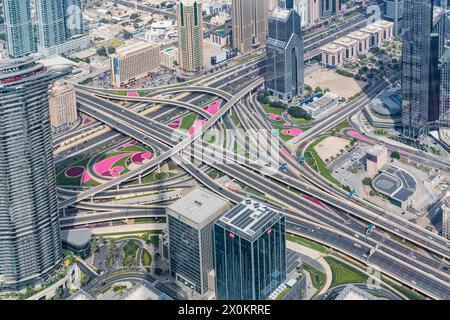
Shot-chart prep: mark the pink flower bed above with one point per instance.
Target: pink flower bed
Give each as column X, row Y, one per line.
column 175, row 124
column 213, row 108
column 86, row 178
column 292, row 132
column 140, row 157
column 275, row 117
column 356, row 135
column 105, row 165
column 132, row 94
column 197, row 124
column 75, row 172
column 287, row 124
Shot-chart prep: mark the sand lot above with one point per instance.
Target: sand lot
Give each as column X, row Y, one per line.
column 330, row 147
column 344, row 87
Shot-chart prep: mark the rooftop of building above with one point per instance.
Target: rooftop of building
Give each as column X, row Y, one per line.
column 249, row 218
column 351, row 292
column 146, row 292
column 371, row 28
column 359, row 35
column 395, row 182
column 322, row 101
column 346, row 41
column 280, row 13
column 447, row 198
column 199, row 206
column 134, row 46
column 376, row 150
column 76, row 237
column 384, row 23
column 332, row 47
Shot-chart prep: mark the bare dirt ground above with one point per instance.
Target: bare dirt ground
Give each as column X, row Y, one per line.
column 344, row 87
column 330, row 147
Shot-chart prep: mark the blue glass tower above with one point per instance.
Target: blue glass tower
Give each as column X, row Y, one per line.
column 250, row 252
column 285, row 66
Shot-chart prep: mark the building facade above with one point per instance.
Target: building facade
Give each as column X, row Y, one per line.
column 190, row 223
column 134, row 62
column 250, row 252
column 249, row 24
column 190, row 36
column 19, row 27
column 416, row 49
column 63, row 107
column 446, row 217
column 285, row 61
column 393, row 11
column 30, row 243
column 444, row 112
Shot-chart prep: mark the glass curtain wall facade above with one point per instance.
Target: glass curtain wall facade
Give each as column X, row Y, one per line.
column 19, row 27
column 249, row 268
column 30, row 244
column 285, row 55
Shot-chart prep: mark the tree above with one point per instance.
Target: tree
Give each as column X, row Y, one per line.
column 367, row 181
column 317, row 90
column 127, row 35
column 297, row 112
column 102, row 52
column 111, row 50
column 395, row 155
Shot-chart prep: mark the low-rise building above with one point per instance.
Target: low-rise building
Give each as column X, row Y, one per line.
column 134, row 62
column 350, row 46
column 376, row 158
column 387, row 27
column 376, row 34
column 332, row 55
column 169, row 57
column 63, row 107
column 363, row 41
column 320, row 103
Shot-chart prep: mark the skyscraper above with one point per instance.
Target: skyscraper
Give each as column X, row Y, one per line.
column 51, row 22
column 19, row 27
column 30, row 245
column 190, row 223
column 416, row 57
column 423, row 48
column 329, row 7
column 444, row 111
column 73, row 18
column 250, row 252
column 285, row 66
column 249, row 20
column 190, row 35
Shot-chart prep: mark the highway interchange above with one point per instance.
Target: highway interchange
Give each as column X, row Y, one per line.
column 339, row 224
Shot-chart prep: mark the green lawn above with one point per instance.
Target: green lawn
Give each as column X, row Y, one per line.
column 235, row 119
column 314, row 161
column 306, row 242
column 146, row 258
column 318, row 278
column 129, row 253
column 269, row 109
column 301, row 121
column 343, row 273
column 342, row 125
column 188, row 121
column 411, row 295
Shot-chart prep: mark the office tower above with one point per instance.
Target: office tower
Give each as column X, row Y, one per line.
column 416, row 55
column 73, row 10
column 250, row 251
column 51, row 22
column 444, row 111
column 300, row 6
column 249, row 24
column 30, row 245
column 393, row 11
column 285, row 66
column 190, row 223
column 19, row 27
column 329, row 7
column 134, row 62
column 314, row 13
column 190, row 35
column 446, row 217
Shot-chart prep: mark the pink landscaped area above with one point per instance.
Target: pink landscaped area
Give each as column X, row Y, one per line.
column 287, row 124
column 197, row 124
column 105, row 165
column 356, row 135
column 275, row 117
column 141, row 156
column 132, row 94
column 86, row 178
column 175, row 124
column 213, row 108
column 292, row 132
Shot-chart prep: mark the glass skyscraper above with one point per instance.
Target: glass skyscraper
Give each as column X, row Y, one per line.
column 51, row 22
column 285, row 54
column 30, row 245
column 250, row 252
column 19, row 27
